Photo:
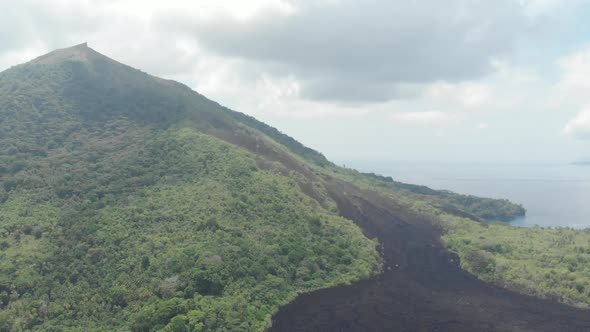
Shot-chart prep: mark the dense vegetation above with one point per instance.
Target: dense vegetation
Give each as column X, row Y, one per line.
column 128, row 202
column 118, row 212
column 467, row 206
column 549, row 263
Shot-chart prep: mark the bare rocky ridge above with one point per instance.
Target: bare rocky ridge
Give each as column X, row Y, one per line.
column 422, row 289
column 79, row 52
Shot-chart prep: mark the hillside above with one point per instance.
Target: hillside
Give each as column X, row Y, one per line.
column 125, row 204
column 130, row 202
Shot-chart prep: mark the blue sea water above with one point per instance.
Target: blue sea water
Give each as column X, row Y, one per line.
column 554, row 194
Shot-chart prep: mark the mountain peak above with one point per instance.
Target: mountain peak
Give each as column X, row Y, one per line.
column 80, row 52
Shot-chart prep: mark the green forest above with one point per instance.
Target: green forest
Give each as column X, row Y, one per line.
column 132, row 203
column 544, row 262
column 118, row 211
column 178, row 229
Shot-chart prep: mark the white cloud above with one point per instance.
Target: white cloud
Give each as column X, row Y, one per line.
column 422, row 118
column 579, row 126
column 542, row 7
column 361, row 51
column 466, row 94
column 576, row 69
column 572, row 92
column 458, row 84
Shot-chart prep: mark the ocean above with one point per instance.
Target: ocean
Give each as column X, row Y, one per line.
column 554, row 194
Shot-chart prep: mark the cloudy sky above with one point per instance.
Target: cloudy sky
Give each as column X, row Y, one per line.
column 375, row 80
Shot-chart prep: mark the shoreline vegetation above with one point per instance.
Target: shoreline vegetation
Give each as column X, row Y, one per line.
column 549, row 263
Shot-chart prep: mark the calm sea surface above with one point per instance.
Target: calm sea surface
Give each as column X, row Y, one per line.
column 553, row 194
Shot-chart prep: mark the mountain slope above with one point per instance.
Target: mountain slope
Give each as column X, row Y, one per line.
column 423, row 287
column 129, row 202
column 125, row 207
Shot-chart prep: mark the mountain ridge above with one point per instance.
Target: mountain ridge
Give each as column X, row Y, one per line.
column 132, row 203
column 80, row 52
column 129, row 202
column 72, row 56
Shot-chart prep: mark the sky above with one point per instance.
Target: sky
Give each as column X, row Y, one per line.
column 372, row 80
